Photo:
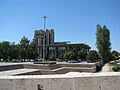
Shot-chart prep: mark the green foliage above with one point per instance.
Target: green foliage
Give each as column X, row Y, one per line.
column 69, row 55
column 82, row 54
column 79, row 51
column 116, row 68
column 5, row 50
column 14, row 51
column 32, row 51
column 24, row 50
column 52, row 58
column 103, row 43
column 24, row 47
column 115, row 54
column 93, row 55
column 61, row 56
column 9, row 51
column 98, row 68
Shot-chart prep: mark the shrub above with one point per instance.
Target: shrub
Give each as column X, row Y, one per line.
column 98, row 68
column 116, row 68
column 52, row 58
column 93, row 55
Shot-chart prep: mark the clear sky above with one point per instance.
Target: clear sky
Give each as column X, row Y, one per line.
column 72, row 20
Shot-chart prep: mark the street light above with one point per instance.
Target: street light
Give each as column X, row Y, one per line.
column 44, row 37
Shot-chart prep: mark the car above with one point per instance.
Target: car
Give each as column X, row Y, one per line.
column 73, row 61
column 91, row 61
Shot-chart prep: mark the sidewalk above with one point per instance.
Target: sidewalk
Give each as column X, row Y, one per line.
column 17, row 71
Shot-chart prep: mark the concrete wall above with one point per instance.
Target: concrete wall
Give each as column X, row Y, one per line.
column 11, row 67
column 53, row 68
column 70, row 81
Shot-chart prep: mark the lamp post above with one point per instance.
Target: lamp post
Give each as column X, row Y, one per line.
column 44, row 37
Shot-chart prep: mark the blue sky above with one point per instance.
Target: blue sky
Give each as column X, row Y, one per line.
column 72, row 20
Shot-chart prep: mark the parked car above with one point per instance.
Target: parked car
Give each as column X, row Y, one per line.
column 91, row 61
column 73, row 61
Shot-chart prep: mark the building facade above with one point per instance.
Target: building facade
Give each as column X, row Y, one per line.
column 39, row 37
column 46, row 44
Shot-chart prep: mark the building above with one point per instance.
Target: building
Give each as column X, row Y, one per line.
column 46, row 44
column 49, row 37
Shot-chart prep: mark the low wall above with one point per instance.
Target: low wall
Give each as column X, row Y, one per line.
column 53, row 68
column 70, row 81
column 40, row 66
column 11, row 67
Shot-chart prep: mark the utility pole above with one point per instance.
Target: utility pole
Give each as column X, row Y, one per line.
column 44, row 37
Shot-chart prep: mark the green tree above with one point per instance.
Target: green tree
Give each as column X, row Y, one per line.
column 79, row 50
column 8, row 51
column 115, row 54
column 103, row 43
column 69, row 55
column 1, row 50
column 14, row 51
column 75, row 49
column 52, row 58
column 93, row 55
column 61, row 56
column 82, row 54
column 24, row 47
column 5, row 48
column 32, row 51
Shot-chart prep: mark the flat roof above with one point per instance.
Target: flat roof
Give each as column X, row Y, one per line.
column 63, row 45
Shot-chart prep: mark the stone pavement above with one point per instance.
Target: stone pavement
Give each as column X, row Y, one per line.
column 12, row 63
column 17, row 71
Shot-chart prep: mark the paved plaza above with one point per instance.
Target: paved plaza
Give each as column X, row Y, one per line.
column 17, row 71
column 5, row 63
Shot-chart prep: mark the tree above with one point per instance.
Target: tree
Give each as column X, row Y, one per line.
column 14, row 51
column 8, row 51
column 69, row 55
column 115, row 54
column 93, row 55
column 52, row 58
column 24, row 47
column 61, row 56
column 79, row 50
column 5, row 48
column 32, row 51
column 1, row 51
column 103, row 43
column 82, row 54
